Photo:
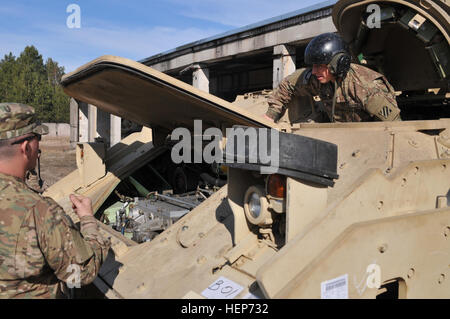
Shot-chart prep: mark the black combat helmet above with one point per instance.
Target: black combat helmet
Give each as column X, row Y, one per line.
column 329, row 49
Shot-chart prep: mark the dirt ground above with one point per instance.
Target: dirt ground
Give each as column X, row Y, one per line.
column 57, row 160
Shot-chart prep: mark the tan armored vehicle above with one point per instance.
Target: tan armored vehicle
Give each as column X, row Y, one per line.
column 352, row 210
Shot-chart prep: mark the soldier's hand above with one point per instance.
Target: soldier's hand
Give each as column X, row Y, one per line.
column 81, row 205
column 268, row 118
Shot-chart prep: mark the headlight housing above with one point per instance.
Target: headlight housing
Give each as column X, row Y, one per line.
column 256, row 206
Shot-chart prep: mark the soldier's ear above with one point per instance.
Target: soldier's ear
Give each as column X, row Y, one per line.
column 25, row 149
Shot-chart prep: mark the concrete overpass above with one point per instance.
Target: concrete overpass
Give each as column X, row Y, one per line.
column 251, row 58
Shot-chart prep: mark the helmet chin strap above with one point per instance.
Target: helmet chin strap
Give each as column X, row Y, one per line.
column 40, row 181
column 38, row 173
column 334, row 102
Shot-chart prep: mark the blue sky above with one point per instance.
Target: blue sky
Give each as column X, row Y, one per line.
column 133, row 29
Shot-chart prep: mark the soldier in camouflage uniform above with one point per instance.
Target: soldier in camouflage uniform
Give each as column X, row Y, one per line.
column 342, row 91
column 40, row 248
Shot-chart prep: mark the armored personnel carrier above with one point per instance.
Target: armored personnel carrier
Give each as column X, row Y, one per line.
column 350, row 210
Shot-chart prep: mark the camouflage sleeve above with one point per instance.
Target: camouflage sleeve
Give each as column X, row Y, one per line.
column 66, row 249
column 380, row 101
column 292, row 85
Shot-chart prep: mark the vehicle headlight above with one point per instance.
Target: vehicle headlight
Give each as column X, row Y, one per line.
column 256, row 206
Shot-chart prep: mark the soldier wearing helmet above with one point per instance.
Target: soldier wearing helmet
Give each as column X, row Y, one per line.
column 40, row 248
column 342, row 91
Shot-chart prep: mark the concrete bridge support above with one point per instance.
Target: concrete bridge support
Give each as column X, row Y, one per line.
column 283, row 62
column 200, row 77
column 88, row 123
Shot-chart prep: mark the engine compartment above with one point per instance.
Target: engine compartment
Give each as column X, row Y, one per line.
column 157, row 195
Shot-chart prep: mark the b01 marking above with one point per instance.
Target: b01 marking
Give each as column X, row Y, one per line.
column 222, row 288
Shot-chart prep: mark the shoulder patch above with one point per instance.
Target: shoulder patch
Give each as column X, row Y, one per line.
column 385, row 112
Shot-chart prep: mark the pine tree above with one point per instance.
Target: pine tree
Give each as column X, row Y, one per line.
column 8, row 71
column 28, row 80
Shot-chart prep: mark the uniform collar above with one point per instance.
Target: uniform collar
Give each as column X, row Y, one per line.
column 12, row 178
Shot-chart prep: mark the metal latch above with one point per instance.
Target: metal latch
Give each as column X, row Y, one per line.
column 416, row 22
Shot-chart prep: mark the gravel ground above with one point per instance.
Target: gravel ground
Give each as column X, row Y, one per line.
column 57, row 160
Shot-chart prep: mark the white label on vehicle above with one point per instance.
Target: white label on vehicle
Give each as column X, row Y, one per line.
column 336, row 288
column 222, row 288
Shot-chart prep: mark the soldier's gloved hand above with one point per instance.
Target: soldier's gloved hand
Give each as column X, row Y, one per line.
column 81, row 205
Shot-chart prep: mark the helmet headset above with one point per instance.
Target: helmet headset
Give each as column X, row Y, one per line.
column 329, row 49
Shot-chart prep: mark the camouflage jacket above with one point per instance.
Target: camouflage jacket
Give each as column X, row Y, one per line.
column 40, row 246
column 362, row 95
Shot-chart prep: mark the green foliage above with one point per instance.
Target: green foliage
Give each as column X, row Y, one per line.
column 28, row 80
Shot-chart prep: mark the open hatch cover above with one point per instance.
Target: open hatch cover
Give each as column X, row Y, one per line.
column 145, row 96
